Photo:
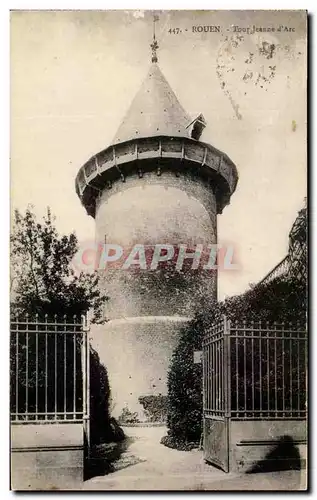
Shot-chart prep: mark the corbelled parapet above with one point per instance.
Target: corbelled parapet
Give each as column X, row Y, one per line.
column 158, row 155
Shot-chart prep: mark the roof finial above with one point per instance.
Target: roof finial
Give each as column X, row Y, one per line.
column 154, row 45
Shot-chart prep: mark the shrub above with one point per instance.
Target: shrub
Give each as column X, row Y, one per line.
column 155, row 407
column 172, row 442
column 100, row 421
column 128, row 417
column 184, row 403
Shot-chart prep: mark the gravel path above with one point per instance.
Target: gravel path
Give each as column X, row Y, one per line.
column 148, row 465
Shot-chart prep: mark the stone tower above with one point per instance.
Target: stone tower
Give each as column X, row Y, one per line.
column 156, row 184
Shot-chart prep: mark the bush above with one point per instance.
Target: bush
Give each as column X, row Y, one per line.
column 154, row 407
column 172, row 442
column 116, row 434
column 100, row 421
column 128, row 417
column 184, row 403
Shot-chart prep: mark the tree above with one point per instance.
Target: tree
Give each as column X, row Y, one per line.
column 42, row 278
column 43, row 283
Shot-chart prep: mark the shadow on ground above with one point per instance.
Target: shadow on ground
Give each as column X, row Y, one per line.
column 284, row 456
column 108, row 458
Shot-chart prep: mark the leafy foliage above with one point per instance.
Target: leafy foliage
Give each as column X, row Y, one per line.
column 103, row 427
column 128, row 417
column 42, row 278
column 154, row 407
column 184, row 407
column 173, row 442
column 282, row 299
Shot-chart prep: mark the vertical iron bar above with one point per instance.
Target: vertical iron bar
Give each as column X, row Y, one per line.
column 237, row 372
column 86, row 379
column 244, row 371
column 252, row 367
column 260, row 371
column 215, row 374
column 27, row 370
column 291, row 374
column 305, row 375
column 227, row 368
column 275, row 372
column 17, row 372
column 65, row 365
column 221, row 375
column 55, row 367
column 283, row 375
column 218, row 374
column 204, row 372
column 223, row 392
column 209, row 375
column 212, row 376
column 46, row 367
column 268, row 367
column 36, row 371
column 85, row 367
column 298, row 374
column 74, row 376
column 88, row 386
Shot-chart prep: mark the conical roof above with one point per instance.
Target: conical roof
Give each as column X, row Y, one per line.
column 154, row 111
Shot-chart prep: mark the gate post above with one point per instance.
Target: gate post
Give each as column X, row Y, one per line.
column 86, row 381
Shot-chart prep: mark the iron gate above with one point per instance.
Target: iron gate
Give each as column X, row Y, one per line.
column 49, row 371
column 252, row 370
column 216, row 388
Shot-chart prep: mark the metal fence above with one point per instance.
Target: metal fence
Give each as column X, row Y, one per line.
column 255, row 370
column 281, row 269
column 49, row 370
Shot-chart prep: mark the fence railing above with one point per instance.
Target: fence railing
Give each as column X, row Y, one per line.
column 48, row 370
column 255, row 370
column 281, row 269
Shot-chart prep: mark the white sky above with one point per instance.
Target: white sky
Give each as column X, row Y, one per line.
column 74, row 74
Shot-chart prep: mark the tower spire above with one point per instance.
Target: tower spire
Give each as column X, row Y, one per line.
column 154, row 45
